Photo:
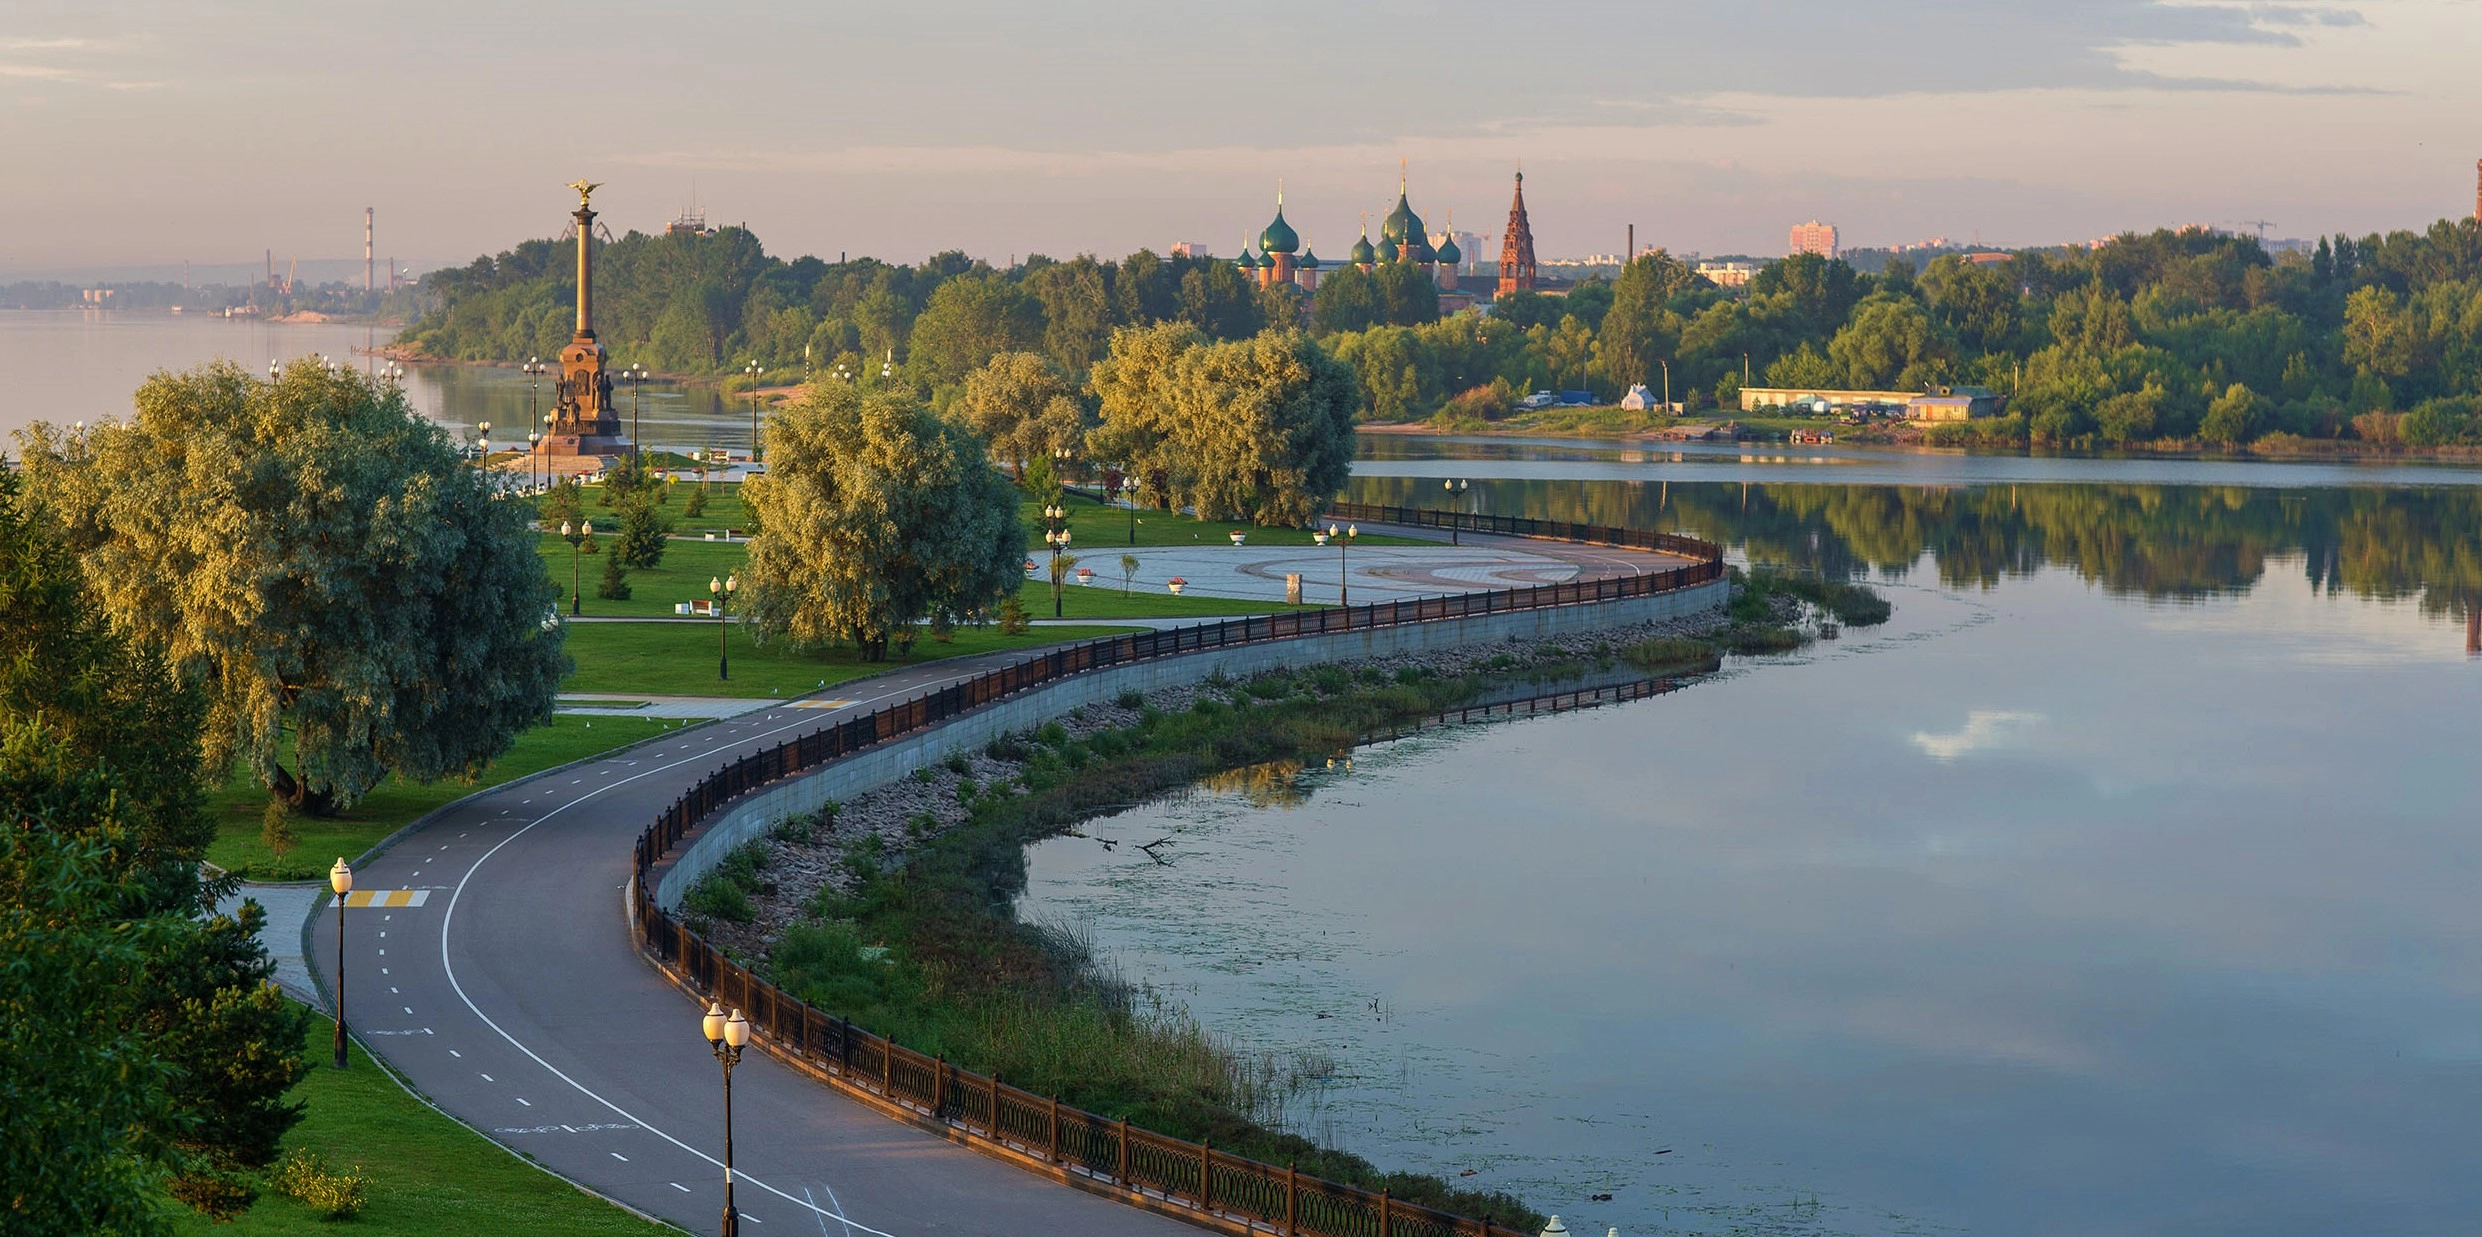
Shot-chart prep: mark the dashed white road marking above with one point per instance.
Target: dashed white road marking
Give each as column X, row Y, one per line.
column 521, row 1099
column 678, row 1186
column 618, row 1156
column 488, row 1078
column 454, row 1053
column 448, row 965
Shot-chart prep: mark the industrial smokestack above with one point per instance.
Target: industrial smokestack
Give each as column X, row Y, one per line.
column 1633, row 242
column 367, row 273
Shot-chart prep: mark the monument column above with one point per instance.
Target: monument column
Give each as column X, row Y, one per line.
column 583, row 419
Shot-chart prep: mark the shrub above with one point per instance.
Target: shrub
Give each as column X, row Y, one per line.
column 1013, row 620
column 305, row 1175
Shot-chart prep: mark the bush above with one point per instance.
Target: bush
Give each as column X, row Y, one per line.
column 1013, row 620
column 697, row 503
column 335, row 1195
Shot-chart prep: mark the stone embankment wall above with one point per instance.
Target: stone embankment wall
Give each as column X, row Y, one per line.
column 844, row 779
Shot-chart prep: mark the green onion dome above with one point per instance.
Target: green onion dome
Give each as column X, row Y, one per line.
column 1246, row 262
column 1363, row 254
column 1279, row 236
column 1421, row 250
column 1402, row 225
column 1448, row 254
column 1309, row 261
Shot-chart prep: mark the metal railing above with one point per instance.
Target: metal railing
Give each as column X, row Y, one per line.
column 1520, row 526
column 1195, row 1181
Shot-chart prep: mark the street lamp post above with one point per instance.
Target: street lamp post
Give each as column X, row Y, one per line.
column 636, row 374
column 534, row 380
column 340, row 879
column 1056, row 535
column 1343, row 540
column 754, row 370
column 482, row 443
column 534, row 457
column 727, row 1036
column 577, row 537
column 1456, row 505
column 723, row 592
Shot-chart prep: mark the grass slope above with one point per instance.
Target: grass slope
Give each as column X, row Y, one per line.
column 396, row 803
column 679, row 659
column 428, row 1174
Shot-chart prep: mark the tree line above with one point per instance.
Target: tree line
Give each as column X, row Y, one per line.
column 2173, row 335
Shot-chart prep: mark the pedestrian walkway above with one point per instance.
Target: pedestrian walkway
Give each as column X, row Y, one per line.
column 289, row 907
column 701, row 708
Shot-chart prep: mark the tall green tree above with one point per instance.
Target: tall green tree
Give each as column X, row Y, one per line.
column 138, row 1029
column 877, row 515
column 1258, row 429
column 317, row 557
column 1024, row 407
column 966, row 323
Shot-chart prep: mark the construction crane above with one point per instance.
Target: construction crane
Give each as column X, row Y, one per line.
column 2261, row 224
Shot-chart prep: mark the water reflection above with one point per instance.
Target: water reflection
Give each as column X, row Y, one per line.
column 2121, row 885
column 2155, row 541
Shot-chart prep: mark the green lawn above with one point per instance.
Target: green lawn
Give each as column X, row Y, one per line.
column 653, row 591
column 679, row 659
column 396, row 803
column 427, row 1173
column 1104, row 531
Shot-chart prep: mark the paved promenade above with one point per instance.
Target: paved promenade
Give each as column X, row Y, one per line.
column 513, row 997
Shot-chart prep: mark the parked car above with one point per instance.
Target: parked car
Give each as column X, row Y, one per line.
column 1539, row 399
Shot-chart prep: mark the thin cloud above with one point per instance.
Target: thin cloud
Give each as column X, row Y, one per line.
column 1984, row 730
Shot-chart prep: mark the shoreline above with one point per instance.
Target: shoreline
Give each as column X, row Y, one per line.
column 2311, row 449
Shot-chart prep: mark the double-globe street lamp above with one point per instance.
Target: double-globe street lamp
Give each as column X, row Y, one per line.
column 727, row 1036
column 1456, row 504
column 340, row 879
column 723, row 590
column 577, row 538
column 1056, row 535
column 1344, row 541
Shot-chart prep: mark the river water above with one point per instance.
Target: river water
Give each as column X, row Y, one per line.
column 2124, row 883
column 72, row 365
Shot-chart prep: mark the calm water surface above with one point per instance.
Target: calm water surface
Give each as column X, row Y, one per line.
column 71, row 365
column 2125, row 883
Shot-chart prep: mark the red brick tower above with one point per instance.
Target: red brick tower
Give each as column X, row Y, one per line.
column 1517, row 247
column 2477, row 191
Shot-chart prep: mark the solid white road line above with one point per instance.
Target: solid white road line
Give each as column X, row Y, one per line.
column 449, row 914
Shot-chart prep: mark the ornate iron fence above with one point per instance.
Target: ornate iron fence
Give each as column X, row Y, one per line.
column 1216, row 1189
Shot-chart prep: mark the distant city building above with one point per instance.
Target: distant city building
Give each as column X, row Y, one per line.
column 1188, row 249
column 1517, row 246
column 1729, row 274
column 693, row 222
column 1815, row 237
column 1988, row 258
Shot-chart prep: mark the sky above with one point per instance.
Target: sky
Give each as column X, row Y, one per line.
column 150, row 132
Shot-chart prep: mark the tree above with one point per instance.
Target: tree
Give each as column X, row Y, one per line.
column 1641, row 331
column 877, row 515
column 107, row 924
column 967, row 322
column 644, row 525
column 2378, row 334
column 1406, row 294
column 1024, row 408
column 1258, row 429
column 2232, row 418
column 1347, row 300
column 315, row 555
column 1889, row 342
column 1128, row 572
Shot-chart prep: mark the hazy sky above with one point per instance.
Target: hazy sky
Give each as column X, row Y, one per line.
column 150, row 131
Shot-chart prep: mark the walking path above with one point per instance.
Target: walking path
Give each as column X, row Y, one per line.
column 512, row 995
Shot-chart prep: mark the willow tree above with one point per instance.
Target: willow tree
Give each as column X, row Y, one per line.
column 1258, row 429
column 876, row 515
column 348, row 592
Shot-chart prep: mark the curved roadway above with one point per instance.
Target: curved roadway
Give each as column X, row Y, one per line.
column 513, row 997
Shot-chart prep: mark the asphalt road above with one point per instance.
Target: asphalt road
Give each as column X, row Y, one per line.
column 514, row 998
